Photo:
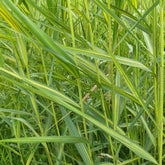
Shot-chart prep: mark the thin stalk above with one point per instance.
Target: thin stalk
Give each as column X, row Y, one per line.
column 156, row 78
column 137, row 79
column 160, row 137
column 116, row 105
column 114, row 97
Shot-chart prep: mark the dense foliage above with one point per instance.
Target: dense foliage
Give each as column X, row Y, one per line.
column 82, row 82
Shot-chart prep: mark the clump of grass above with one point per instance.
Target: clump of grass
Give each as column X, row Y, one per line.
column 82, row 82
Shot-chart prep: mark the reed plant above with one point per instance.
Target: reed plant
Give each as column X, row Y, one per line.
column 82, row 82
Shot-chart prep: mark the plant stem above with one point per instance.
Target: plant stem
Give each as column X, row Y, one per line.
column 160, row 137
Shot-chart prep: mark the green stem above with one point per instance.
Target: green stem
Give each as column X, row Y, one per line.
column 156, row 78
column 160, row 137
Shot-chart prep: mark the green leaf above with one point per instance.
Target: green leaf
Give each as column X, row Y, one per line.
column 105, row 56
column 46, row 139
